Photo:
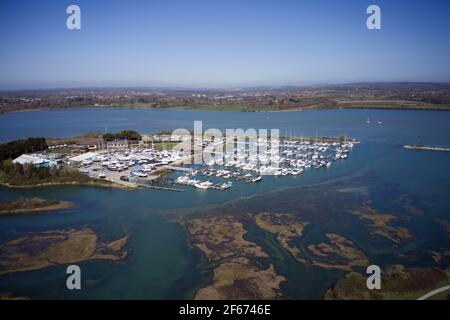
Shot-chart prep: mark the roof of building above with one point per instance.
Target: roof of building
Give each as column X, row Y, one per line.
column 26, row 158
column 89, row 142
column 117, row 141
column 84, row 156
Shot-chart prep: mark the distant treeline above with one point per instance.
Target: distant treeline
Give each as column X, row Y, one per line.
column 13, row 149
column 122, row 135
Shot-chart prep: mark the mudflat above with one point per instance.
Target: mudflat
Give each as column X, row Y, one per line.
column 50, row 248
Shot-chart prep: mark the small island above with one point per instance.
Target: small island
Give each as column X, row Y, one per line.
column 381, row 224
column 31, row 206
column 50, row 248
column 339, row 253
column 10, row 296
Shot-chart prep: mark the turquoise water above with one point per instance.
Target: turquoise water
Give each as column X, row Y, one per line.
column 161, row 265
column 398, row 126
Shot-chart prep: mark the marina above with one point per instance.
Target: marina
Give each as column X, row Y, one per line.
column 243, row 160
column 290, row 157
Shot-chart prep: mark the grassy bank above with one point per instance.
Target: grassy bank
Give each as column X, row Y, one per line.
column 31, row 206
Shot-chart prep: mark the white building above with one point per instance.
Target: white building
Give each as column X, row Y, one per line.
column 85, row 156
column 34, row 160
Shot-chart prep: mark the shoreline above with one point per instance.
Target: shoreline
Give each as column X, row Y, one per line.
column 112, row 185
column 31, row 211
column 384, row 106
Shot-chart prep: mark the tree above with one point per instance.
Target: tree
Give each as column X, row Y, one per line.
column 13, row 149
column 122, row 135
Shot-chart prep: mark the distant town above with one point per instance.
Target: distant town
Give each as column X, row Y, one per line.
column 435, row 96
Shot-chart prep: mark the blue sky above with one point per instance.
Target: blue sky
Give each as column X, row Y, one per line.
column 212, row 43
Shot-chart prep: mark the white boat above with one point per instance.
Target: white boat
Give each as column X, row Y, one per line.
column 225, row 186
column 257, row 179
column 87, row 163
column 147, row 167
column 139, row 174
column 183, row 180
column 203, row 185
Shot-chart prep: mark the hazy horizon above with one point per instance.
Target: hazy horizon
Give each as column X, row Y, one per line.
column 226, row 88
